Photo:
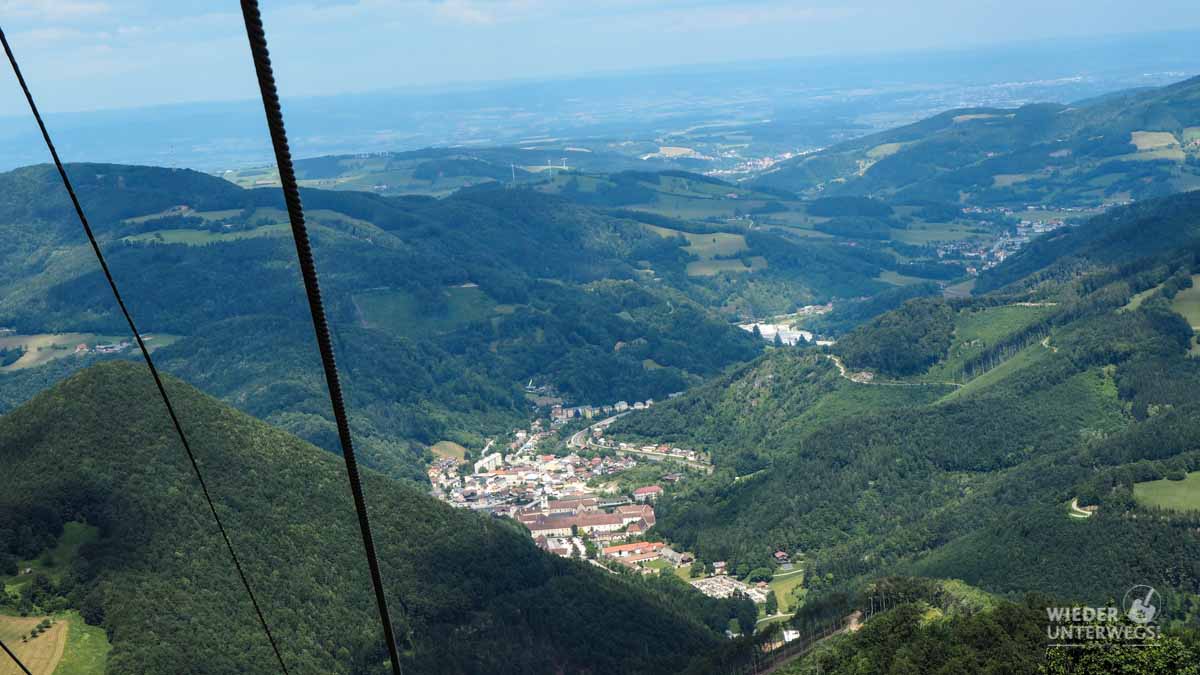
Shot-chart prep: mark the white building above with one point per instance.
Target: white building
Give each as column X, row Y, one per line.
column 490, row 463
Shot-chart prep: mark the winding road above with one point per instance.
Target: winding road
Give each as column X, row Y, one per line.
column 845, row 373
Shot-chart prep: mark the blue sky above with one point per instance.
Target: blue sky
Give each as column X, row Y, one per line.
column 92, row 54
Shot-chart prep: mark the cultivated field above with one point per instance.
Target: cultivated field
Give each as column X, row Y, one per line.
column 1176, row 495
column 41, row 654
column 1152, row 140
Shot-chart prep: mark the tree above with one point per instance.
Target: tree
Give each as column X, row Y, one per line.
column 759, row 574
column 772, row 605
column 697, row 569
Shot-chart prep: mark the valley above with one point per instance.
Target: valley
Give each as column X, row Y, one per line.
column 846, row 389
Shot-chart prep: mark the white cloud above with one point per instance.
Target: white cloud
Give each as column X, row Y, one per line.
column 51, row 35
column 53, row 10
column 464, row 11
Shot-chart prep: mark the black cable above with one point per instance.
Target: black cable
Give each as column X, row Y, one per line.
column 141, row 345
column 9, row 651
column 291, row 194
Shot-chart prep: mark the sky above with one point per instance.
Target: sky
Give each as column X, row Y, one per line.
column 100, row 54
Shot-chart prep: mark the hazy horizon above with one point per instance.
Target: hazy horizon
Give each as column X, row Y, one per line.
column 84, row 55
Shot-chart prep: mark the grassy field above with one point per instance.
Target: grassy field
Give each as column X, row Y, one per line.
column 202, row 237
column 1025, row 358
column 70, row 647
column 783, row 585
column 960, row 290
column 713, row 251
column 1153, row 140
column 448, row 450
column 1138, row 298
column 924, row 233
column 884, row 150
column 706, row 246
column 1002, row 180
column 896, row 279
column 87, row 649
column 1187, row 302
column 659, row 564
column 1174, row 154
column 1176, row 495
column 851, row 400
column 975, row 331
column 73, row 646
column 707, row 268
column 397, row 311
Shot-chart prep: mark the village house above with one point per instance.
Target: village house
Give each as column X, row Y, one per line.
column 636, row 549
column 648, row 493
column 633, row 513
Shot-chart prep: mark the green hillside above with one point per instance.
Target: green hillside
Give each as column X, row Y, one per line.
column 948, row 627
column 470, row 594
column 444, row 309
column 982, row 420
column 1133, row 146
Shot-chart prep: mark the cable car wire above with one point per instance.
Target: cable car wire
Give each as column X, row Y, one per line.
column 14, row 658
column 291, row 194
column 162, row 391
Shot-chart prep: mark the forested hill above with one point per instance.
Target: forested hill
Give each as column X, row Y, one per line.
column 949, row 437
column 1141, row 144
column 470, row 594
column 443, row 309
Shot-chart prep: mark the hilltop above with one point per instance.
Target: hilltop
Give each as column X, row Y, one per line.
column 1134, row 145
column 471, row 594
